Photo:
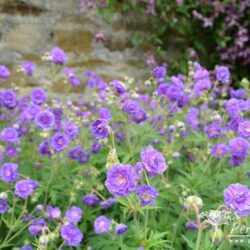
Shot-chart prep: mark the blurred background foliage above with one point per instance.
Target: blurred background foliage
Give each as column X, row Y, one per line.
column 212, row 32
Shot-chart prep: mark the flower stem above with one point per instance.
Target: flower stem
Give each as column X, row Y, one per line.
column 146, row 225
column 197, row 247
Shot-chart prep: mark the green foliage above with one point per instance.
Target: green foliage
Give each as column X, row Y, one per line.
column 175, row 28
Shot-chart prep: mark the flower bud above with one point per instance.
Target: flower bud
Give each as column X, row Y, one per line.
column 52, row 236
column 176, row 154
column 193, row 200
column 112, row 158
column 180, row 124
column 215, row 235
column 3, row 195
column 44, row 239
column 191, row 226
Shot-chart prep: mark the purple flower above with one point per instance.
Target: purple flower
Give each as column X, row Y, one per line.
column 192, row 118
column 147, row 195
column 9, row 135
column 37, row 226
column 58, row 56
column 77, row 153
column 105, row 114
column 84, row 157
column 90, row 200
column 59, row 142
column 45, row 120
column 244, row 129
column 71, row 129
column 9, row 99
column 3, row 206
column 74, row 214
column 29, row 68
column 176, row 80
column 191, row 226
column 74, row 80
column 4, row 72
column 201, row 85
column 100, row 129
column 96, row 147
column 119, row 87
column 28, row 218
column 174, row 93
column 102, row 225
column 153, row 161
column 9, row 172
column 138, row 167
column 38, row 96
column 139, row 116
column 101, row 37
column 222, row 74
column 11, row 151
column 130, row 106
column 1, row 156
column 44, row 148
column 233, row 107
column 71, row 234
column 159, row 72
column 213, row 131
column 53, row 213
column 26, row 247
column 236, row 161
column 25, row 188
column 121, row 229
column 30, row 112
column 163, row 89
column 184, row 100
column 239, row 147
column 237, row 198
column 121, row 180
column 220, row 150
column 201, row 74
column 108, row 203
column 238, row 93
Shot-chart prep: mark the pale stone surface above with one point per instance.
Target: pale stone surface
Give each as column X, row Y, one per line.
column 29, row 28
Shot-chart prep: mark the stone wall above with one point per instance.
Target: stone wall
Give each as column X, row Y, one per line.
column 29, row 28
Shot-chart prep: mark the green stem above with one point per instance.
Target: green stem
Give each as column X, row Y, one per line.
column 146, row 225
column 101, row 196
column 197, row 247
column 113, row 139
column 121, row 242
column 146, row 178
column 128, row 136
column 207, row 165
column 59, row 248
column 176, row 227
column 52, row 171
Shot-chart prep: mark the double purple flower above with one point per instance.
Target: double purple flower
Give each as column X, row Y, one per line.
column 9, row 172
column 100, row 129
column 121, row 180
column 153, row 161
column 237, row 198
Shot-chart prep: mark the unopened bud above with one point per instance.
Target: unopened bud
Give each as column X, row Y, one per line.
column 193, row 200
column 44, row 239
column 3, row 195
column 215, row 235
column 112, row 158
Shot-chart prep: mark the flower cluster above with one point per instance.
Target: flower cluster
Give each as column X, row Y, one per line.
column 77, row 172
